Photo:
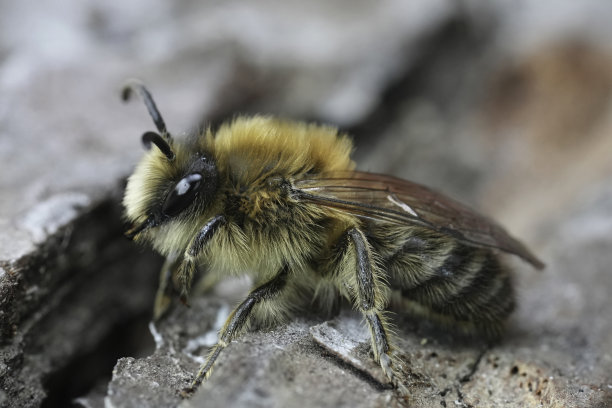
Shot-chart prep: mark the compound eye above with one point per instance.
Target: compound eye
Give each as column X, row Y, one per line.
column 183, row 195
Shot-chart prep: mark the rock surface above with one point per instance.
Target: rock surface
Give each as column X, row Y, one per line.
column 507, row 109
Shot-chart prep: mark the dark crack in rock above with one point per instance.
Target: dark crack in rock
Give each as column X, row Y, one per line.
column 504, row 107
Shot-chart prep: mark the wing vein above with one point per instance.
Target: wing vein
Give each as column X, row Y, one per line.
column 379, row 197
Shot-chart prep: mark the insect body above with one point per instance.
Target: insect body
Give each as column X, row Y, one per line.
column 281, row 201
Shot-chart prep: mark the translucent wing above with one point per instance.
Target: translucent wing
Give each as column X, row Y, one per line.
column 386, row 198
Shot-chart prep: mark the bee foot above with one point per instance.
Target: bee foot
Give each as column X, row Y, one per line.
column 187, row 392
column 391, row 372
column 185, row 300
column 385, row 364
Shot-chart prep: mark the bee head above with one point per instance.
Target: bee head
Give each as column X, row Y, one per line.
column 174, row 181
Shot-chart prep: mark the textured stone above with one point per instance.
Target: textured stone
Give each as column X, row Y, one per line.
column 506, row 108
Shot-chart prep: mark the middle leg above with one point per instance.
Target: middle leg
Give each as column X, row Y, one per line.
column 237, row 319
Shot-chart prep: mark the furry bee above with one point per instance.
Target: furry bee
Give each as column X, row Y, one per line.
column 281, row 201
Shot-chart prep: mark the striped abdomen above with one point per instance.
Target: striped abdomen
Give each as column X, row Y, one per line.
column 448, row 281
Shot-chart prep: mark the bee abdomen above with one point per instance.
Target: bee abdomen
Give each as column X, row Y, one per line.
column 469, row 288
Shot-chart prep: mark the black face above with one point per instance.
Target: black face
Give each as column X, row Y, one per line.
column 198, row 184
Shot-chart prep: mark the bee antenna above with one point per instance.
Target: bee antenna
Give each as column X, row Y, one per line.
column 160, row 142
column 136, row 86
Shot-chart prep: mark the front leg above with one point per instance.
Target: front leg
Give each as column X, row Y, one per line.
column 188, row 266
column 356, row 267
column 166, row 289
column 163, row 298
column 236, row 320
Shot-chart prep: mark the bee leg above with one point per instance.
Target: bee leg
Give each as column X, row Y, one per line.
column 187, row 268
column 163, row 297
column 236, row 320
column 206, row 284
column 370, row 300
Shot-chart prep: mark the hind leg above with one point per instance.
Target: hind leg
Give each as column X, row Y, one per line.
column 356, row 269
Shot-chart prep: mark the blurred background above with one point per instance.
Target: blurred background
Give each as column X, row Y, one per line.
column 503, row 105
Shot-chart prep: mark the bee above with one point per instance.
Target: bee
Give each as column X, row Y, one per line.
column 281, row 202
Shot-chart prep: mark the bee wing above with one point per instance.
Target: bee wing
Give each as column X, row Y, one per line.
column 386, row 198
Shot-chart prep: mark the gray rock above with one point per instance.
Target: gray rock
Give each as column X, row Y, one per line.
column 66, row 140
column 478, row 101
